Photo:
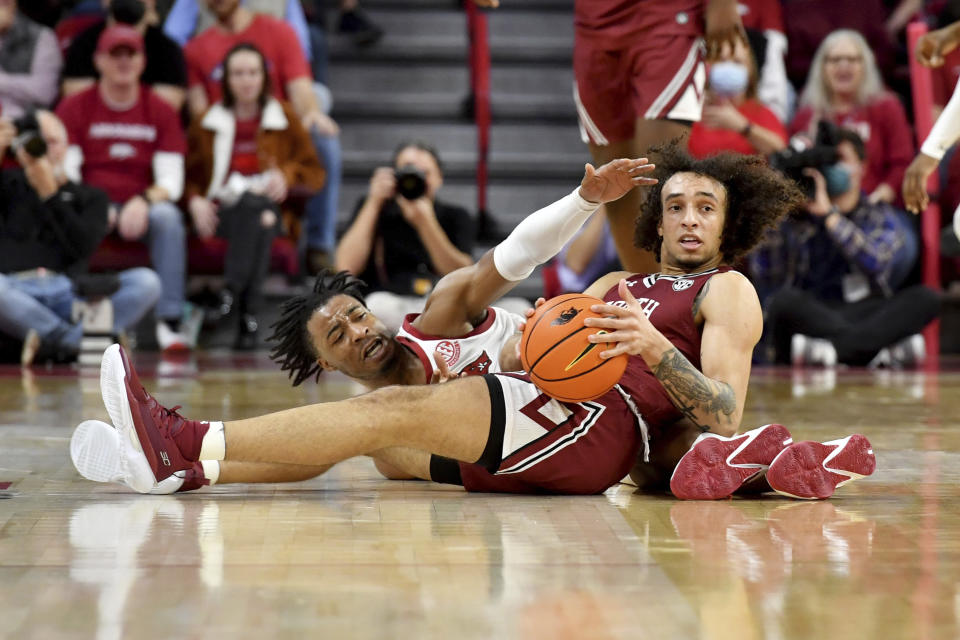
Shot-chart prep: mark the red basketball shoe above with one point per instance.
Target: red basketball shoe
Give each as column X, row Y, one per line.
column 813, row 470
column 716, row 466
column 169, row 442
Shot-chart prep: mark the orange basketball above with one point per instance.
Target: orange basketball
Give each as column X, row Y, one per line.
column 561, row 361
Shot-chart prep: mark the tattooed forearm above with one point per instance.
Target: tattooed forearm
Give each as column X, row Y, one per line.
column 704, row 401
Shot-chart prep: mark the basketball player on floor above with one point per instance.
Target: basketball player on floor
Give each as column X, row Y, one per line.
column 639, row 77
column 458, row 333
column 689, row 330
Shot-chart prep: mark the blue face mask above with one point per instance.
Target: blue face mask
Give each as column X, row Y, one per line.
column 728, row 78
column 838, row 179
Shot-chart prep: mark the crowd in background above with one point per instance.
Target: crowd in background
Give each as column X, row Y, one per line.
column 194, row 136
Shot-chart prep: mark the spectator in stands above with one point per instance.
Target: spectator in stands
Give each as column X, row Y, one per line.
column 49, row 227
column 763, row 21
column 733, row 119
column 29, row 62
column 127, row 141
column 290, row 80
column 845, row 88
column 165, row 72
column 400, row 246
column 188, row 17
column 838, row 267
column 809, row 22
column 245, row 152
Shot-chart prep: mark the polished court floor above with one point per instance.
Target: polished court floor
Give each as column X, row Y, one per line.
column 350, row 555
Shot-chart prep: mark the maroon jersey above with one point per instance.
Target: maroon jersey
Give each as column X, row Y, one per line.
column 668, row 303
column 618, row 23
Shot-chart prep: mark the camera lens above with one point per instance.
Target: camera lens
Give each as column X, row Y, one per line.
column 411, row 183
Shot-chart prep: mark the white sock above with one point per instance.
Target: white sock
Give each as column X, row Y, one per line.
column 211, row 470
column 214, row 444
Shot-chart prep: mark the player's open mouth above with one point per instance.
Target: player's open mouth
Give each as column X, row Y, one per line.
column 690, row 242
column 373, row 349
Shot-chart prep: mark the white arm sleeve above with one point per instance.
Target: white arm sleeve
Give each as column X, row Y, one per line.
column 541, row 235
column 168, row 173
column 945, row 130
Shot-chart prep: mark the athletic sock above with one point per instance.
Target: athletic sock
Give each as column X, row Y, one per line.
column 213, row 446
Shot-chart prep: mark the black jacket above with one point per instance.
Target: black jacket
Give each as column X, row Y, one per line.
column 60, row 233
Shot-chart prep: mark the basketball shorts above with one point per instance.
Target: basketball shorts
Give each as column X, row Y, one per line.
column 659, row 76
column 541, row 445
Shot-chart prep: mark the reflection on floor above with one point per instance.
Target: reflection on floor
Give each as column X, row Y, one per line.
column 350, row 555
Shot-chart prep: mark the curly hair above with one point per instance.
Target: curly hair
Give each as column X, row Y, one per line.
column 756, row 197
column 294, row 350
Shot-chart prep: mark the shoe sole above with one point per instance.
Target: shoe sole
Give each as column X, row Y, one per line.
column 710, row 470
column 95, row 451
column 113, row 389
column 101, row 454
column 814, row 470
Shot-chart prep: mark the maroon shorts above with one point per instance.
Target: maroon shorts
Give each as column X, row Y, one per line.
column 550, row 446
column 658, row 76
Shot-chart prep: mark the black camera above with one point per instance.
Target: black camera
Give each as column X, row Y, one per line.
column 127, row 11
column 411, row 183
column 28, row 136
column 791, row 162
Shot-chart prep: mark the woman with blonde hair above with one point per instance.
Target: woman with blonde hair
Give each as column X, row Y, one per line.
column 844, row 87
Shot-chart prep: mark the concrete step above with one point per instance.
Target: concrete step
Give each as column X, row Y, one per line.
column 439, row 91
column 435, row 35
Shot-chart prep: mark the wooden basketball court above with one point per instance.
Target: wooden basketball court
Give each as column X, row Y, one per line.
column 350, row 555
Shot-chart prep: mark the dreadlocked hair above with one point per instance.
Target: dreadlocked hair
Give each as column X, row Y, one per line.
column 757, row 196
column 294, row 350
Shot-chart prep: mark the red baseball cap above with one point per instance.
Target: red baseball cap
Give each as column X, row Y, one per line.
column 119, row 35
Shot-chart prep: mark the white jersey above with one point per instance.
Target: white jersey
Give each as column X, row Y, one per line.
column 475, row 354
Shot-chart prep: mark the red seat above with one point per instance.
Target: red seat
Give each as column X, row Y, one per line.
column 204, row 257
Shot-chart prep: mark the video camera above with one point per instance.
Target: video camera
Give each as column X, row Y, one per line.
column 792, row 161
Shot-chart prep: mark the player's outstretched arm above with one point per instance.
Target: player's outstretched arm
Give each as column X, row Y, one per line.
column 461, row 298
column 713, row 398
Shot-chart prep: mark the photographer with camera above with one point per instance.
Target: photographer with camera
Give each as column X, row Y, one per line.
column 402, row 239
column 29, row 62
column 839, row 264
column 49, row 227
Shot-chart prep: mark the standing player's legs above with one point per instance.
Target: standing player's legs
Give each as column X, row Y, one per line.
column 622, row 213
column 629, row 99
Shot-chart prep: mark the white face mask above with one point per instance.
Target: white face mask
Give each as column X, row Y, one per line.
column 728, row 78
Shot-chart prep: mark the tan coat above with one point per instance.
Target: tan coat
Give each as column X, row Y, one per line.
column 282, row 143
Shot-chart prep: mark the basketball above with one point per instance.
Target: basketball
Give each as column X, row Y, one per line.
column 561, row 361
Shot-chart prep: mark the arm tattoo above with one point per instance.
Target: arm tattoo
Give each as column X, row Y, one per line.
column 692, row 392
column 699, row 299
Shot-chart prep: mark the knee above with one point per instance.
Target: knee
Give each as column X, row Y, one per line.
column 268, row 219
column 146, row 283
column 783, row 302
column 166, row 218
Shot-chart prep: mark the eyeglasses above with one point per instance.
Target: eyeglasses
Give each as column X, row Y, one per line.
column 847, row 59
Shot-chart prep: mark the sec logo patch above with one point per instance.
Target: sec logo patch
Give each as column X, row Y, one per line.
column 450, row 351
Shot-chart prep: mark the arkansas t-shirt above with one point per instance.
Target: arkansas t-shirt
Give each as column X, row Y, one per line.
column 118, row 146
column 274, row 38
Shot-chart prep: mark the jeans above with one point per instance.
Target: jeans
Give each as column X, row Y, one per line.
column 321, row 209
column 167, row 240
column 45, row 304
